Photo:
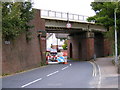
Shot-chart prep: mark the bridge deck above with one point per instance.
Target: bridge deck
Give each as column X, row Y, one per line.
column 56, row 22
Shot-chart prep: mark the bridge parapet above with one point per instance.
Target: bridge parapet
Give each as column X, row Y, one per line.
column 57, row 21
column 63, row 16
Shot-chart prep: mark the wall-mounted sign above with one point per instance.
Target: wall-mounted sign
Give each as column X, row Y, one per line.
column 7, row 42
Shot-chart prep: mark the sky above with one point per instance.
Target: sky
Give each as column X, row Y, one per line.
column 81, row 7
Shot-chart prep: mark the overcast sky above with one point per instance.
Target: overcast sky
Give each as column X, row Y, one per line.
column 81, row 7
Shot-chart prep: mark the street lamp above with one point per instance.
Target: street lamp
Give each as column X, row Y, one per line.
column 116, row 50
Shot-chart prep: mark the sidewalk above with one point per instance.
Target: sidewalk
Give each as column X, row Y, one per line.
column 109, row 75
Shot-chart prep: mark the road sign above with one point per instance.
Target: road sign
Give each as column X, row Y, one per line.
column 68, row 25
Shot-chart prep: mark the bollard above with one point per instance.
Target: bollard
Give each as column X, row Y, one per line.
column 94, row 57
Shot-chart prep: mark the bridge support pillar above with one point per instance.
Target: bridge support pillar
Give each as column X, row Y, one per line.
column 81, row 46
column 89, row 45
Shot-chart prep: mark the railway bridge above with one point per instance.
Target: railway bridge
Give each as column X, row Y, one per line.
column 85, row 39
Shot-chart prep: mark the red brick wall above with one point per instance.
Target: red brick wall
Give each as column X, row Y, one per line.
column 99, row 45
column 43, row 44
column 107, row 47
column 22, row 55
column 68, row 48
column 74, row 42
column 85, row 48
column 90, row 48
column 82, row 48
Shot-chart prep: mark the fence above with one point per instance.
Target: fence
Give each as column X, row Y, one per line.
column 63, row 16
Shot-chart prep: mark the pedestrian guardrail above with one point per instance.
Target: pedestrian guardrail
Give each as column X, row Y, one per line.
column 63, row 16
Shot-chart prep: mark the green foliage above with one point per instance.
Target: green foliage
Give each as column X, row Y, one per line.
column 15, row 19
column 5, row 74
column 43, row 63
column 105, row 16
column 65, row 45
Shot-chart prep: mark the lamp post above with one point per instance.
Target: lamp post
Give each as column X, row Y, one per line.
column 116, row 50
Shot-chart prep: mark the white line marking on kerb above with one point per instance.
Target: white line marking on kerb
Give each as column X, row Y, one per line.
column 31, row 82
column 65, row 67
column 52, row 73
column 99, row 82
column 94, row 69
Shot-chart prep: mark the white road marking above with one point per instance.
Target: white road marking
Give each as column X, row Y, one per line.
column 65, row 67
column 52, row 73
column 99, row 82
column 95, row 73
column 31, row 82
column 94, row 69
column 41, row 78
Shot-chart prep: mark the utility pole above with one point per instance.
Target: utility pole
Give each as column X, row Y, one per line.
column 116, row 49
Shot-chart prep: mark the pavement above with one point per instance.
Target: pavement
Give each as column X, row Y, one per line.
column 109, row 75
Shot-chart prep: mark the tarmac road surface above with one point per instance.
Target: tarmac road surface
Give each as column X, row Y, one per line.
column 75, row 74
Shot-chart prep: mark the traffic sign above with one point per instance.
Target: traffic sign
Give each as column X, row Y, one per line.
column 68, row 25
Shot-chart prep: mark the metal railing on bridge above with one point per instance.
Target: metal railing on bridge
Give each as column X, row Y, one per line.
column 63, row 16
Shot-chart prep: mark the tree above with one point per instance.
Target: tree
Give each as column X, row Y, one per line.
column 105, row 16
column 65, row 45
column 15, row 19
